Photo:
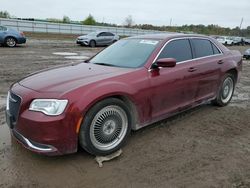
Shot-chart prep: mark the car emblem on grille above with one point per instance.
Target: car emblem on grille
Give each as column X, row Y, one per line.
column 12, row 100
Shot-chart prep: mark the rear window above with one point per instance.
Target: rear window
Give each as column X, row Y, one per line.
column 215, row 49
column 178, row 49
column 202, row 47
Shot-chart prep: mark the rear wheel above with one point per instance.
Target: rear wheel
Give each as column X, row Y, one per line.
column 226, row 90
column 105, row 127
column 10, row 42
column 92, row 43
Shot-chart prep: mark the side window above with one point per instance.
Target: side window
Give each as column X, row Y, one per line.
column 215, row 49
column 202, row 47
column 101, row 34
column 110, row 34
column 178, row 49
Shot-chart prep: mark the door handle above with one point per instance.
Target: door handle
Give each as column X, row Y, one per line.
column 220, row 62
column 192, row 69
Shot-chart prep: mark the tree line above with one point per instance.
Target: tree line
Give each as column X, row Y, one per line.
column 129, row 22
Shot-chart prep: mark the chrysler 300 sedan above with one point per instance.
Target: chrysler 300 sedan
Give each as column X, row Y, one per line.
column 133, row 83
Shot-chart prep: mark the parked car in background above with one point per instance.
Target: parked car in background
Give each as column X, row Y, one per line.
column 131, row 84
column 237, row 40
column 247, row 41
column 247, row 54
column 225, row 40
column 10, row 37
column 100, row 38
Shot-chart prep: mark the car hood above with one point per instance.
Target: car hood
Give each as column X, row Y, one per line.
column 66, row 78
column 84, row 37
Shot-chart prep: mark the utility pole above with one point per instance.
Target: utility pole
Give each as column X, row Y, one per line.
column 241, row 22
column 241, row 25
column 170, row 24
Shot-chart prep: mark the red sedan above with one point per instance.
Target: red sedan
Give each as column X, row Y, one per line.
column 133, row 83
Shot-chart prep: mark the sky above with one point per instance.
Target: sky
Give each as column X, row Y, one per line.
column 156, row 12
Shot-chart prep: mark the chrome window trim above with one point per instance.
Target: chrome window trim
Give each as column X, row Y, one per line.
column 180, row 38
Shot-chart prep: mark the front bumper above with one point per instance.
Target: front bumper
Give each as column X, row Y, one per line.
column 49, row 135
column 34, row 146
column 82, row 42
column 21, row 40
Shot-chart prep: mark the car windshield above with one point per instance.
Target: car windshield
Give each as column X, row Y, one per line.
column 130, row 53
column 92, row 34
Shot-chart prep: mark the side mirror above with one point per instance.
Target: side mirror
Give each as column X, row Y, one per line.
column 165, row 62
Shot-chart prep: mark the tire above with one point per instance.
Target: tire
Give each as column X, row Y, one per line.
column 10, row 42
column 114, row 41
column 226, row 90
column 105, row 127
column 92, row 44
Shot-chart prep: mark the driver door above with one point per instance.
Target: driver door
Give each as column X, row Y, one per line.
column 173, row 88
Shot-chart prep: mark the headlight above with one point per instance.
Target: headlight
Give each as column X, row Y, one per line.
column 51, row 107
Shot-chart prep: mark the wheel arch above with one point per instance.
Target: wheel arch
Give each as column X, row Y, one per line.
column 10, row 36
column 92, row 40
column 234, row 72
column 123, row 97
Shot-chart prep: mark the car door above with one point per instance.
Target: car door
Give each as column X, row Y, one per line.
column 100, row 39
column 208, row 61
column 2, row 34
column 173, row 89
column 109, row 37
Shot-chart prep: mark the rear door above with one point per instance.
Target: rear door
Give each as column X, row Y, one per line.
column 109, row 37
column 208, row 60
column 173, row 88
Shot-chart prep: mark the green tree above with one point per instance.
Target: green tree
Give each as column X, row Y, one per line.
column 66, row 19
column 4, row 14
column 54, row 20
column 90, row 20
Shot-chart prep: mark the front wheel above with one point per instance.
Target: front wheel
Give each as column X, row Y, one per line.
column 226, row 90
column 92, row 44
column 105, row 127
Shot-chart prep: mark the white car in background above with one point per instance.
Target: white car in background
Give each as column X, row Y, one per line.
column 225, row 40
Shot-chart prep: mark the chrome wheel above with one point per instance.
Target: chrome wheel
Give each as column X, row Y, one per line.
column 227, row 90
column 10, row 42
column 108, row 127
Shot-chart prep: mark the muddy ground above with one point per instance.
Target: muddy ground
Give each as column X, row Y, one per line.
column 204, row 147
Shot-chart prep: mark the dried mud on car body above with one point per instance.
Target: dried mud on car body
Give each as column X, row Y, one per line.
column 204, row 147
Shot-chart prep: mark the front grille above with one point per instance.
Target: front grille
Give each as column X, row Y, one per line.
column 14, row 106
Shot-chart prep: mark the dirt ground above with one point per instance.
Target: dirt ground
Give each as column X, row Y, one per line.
column 204, row 147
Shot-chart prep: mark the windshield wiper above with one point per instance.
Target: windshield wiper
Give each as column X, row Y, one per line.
column 105, row 64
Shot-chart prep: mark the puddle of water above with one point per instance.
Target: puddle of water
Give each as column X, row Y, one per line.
column 77, row 57
column 64, row 53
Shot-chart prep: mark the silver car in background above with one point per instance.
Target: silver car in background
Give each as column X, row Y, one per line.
column 100, row 38
column 247, row 54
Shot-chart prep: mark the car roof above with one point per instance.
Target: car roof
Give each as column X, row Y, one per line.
column 162, row 36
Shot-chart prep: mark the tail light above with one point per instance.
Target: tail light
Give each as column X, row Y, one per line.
column 22, row 34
